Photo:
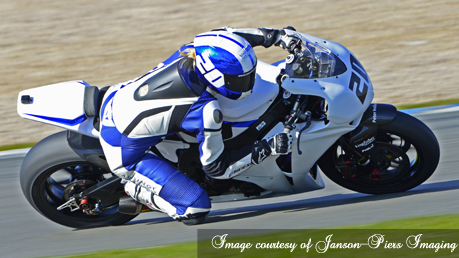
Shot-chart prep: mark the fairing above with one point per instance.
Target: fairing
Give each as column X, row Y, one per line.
column 348, row 91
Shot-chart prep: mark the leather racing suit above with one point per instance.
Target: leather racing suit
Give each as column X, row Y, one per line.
column 140, row 113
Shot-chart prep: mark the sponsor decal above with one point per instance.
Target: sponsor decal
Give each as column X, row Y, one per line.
column 374, row 114
column 369, row 148
column 365, row 143
column 261, row 125
column 262, row 155
column 236, row 171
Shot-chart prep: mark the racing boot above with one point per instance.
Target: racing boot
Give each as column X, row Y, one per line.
column 153, row 201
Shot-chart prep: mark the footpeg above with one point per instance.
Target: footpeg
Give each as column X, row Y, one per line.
column 71, row 204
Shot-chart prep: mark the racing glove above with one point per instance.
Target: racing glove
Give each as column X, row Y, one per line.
column 280, row 144
column 288, row 40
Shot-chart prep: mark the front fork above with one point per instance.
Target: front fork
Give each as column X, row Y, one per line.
column 361, row 143
column 362, row 157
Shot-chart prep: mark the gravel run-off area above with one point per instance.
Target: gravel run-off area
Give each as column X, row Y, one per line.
column 409, row 48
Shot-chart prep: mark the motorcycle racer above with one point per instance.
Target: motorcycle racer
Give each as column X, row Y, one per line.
column 133, row 119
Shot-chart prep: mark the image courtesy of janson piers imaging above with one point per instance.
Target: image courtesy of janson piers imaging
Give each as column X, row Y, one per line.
column 236, row 129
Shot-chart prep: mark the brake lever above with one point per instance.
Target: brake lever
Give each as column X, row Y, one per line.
column 308, row 124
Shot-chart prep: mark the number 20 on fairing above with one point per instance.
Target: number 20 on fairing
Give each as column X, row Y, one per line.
column 357, row 81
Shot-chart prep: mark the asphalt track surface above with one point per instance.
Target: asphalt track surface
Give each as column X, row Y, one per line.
column 25, row 233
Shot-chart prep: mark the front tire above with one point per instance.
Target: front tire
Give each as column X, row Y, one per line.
column 49, row 167
column 406, row 144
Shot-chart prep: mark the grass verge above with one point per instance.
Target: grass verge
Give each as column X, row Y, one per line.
column 435, row 229
column 17, row 146
column 429, row 104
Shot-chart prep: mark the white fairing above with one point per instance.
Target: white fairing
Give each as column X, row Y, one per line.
column 64, row 102
column 345, row 110
column 343, row 105
column 58, row 104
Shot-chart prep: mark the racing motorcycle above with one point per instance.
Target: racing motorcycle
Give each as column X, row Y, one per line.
column 320, row 93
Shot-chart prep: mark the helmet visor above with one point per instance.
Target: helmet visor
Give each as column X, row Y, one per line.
column 240, row 82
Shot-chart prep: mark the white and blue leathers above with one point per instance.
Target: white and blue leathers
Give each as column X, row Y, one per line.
column 133, row 119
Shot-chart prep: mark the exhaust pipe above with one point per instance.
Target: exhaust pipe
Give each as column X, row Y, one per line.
column 127, row 205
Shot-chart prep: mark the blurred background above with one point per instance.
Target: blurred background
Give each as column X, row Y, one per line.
column 409, row 48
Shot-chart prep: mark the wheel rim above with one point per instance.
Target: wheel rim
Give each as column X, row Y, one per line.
column 400, row 158
column 57, row 185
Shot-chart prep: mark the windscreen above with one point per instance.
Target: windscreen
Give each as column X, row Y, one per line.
column 313, row 61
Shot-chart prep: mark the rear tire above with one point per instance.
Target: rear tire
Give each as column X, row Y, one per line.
column 406, row 135
column 43, row 178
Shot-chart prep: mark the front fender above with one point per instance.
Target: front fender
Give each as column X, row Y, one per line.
column 377, row 114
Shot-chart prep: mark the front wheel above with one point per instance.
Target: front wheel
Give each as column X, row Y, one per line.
column 409, row 151
column 52, row 172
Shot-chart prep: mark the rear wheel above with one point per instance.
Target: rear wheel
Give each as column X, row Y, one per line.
column 409, row 152
column 52, row 172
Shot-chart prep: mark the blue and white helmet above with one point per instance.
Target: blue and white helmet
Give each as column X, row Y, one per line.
column 226, row 62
